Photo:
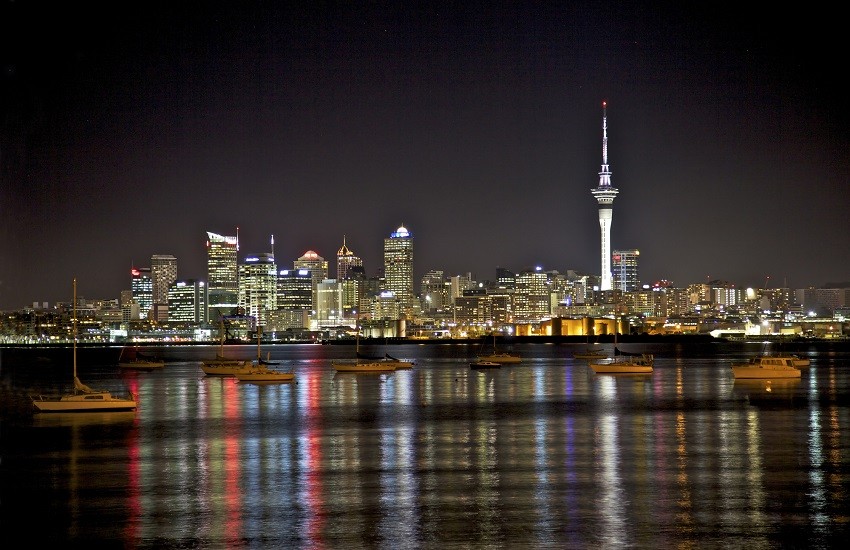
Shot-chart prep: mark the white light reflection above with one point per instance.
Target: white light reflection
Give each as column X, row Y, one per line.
column 612, row 500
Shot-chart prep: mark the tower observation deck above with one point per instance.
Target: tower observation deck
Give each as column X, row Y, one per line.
column 605, row 194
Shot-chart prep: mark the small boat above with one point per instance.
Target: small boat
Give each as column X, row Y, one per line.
column 358, row 365
column 590, row 354
column 624, row 365
column 221, row 365
column 399, row 363
column 82, row 398
column 484, row 365
column 497, row 356
column 765, row 366
column 624, row 362
column 796, row 360
column 138, row 361
column 261, row 373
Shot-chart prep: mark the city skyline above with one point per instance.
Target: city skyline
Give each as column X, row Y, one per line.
column 475, row 126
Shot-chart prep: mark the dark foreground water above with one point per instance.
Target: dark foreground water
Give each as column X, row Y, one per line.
column 544, row 454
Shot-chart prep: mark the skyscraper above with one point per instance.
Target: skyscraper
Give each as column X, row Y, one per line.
column 141, row 285
column 222, row 275
column 346, row 261
column 605, row 195
column 258, row 286
column 163, row 273
column 318, row 268
column 624, row 265
column 398, row 268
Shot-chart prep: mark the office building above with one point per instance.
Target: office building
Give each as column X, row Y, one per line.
column 318, row 268
column 222, row 276
column 187, row 302
column 398, row 268
column 347, row 263
column 258, row 286
column 624, row 266
column 141, row 285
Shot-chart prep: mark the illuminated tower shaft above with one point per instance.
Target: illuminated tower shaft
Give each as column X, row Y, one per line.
column 605, row 194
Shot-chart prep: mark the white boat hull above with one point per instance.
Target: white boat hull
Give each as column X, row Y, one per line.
column 265, row 375
column 226, row 368
column 371, row 366
column 767, row 367
column 83, row 402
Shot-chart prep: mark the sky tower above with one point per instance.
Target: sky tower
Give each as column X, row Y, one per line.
column 605, row 194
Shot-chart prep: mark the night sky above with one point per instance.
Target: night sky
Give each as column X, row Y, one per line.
column 132, row 130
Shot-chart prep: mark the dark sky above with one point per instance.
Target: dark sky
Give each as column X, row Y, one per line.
column 132, row 130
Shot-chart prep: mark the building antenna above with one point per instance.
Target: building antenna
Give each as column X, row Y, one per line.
column 272, row 246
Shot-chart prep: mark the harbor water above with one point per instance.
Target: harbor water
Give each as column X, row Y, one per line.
column 540, row 454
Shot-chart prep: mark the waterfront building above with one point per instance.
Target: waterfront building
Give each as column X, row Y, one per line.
column 605, row 194
column 398, row 268
column 222, row 276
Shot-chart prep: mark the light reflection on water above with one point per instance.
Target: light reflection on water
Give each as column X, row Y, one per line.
column 541, row 454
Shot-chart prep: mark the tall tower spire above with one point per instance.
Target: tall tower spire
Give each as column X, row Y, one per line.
column 605, row 194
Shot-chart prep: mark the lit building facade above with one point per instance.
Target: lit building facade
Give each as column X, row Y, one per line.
column 398, row 268
column 318, row 268
column 532, row 302
column 141, row 285
column 187, row 302
column 258, row 286
column 347, row 263
column 222, row 276
column 624, row 266
column 163, row 274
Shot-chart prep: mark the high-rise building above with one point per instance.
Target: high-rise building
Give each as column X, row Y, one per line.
column 187, row 301
column 346, row 262
column 605, row 195
column 318, row 268
column 163, row 273
column 434, row 289
column 532, row 302
column 398, row 268
column 222, row 275
column 258, row 286
column 624, row 267
column 141, row 285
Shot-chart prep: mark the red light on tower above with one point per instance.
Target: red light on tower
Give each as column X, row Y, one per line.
column 135, row 272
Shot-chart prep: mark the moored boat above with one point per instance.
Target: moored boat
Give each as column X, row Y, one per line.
column 624, row 365
column 766, row 366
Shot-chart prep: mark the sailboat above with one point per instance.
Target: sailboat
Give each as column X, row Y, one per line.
column 590, row 352
column 138, row 361
column 82, row 398
column 221, row 365
column 623, row 362
column 497, row 356
column 358, row 365
column 260, row 372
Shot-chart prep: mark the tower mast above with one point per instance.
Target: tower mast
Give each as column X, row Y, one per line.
column 605, row 195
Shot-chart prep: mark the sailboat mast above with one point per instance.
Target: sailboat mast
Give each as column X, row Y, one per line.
column 74, row 321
